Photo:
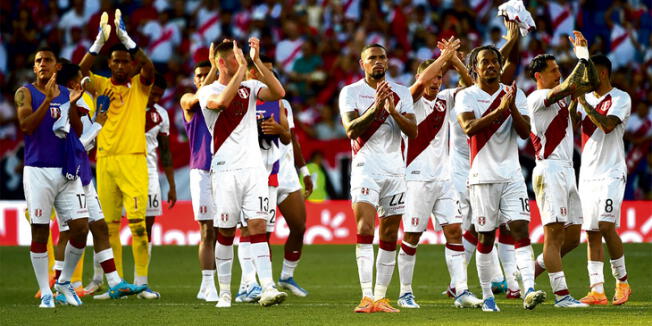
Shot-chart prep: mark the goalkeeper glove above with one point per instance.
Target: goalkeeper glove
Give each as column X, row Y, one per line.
column 102, row 35
column 121, row 32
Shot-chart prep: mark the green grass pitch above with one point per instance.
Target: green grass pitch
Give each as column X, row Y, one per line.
column 329, row 273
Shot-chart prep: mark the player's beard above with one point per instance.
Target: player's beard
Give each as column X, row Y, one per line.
column 378, row 75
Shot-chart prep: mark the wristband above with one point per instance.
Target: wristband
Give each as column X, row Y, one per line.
column 304, row 171
column 582, row 52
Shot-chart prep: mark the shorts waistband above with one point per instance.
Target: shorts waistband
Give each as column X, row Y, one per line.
column 555, row 163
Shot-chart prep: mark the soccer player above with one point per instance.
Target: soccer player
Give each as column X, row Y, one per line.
column 602, row 181
column 203, row 205
column 157, row 130
column 493, row 115
column 375, row 112
column 121, row 146
column 238, row 175
column 38, row 106
column 70, row 76
column 429, row 186
column 554, row 177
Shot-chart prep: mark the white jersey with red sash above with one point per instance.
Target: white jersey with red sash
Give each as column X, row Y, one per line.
column 552, row 132
column 494, row 150
column 603, row 154
column 156, row 122
column 234, row 131
column 638, row 127
column 426, row 156
column 378, row 150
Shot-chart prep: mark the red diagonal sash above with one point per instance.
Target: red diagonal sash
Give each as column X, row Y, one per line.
column 477, row 141
column 588, row 127
column 208, row 24
column 152, row 119
column 428, row 130
column 619, row 40
column 555, row 133
column 379, row 119
column 560, row 18
column 230, row 117
column 292, row 56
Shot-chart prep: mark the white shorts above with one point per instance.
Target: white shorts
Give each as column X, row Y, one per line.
column 47, row 188
column 386, row 193
column 556, row 193
column 271, row 216
column 239, row 192
column 429, row 199
column 460, row 181
column 601, row 201
column 498, row 203
column 201, row 193
column 288, row 180
column 154, row 207
column 92, row 203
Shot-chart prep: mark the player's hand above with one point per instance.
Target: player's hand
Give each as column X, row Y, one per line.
column 239, row 56
column 382, row 91
column 254, row 48
column 271, row 127
column 103, row 34
column 172, row 197
column 51, row 87
column 390, row 106
column 512, row 30
column 75, row 94
column 308, row 185
column 101, row 117
column 448, row 48
column 121, row 31
column 211, row 55
column 579, row 39
column 509, row 98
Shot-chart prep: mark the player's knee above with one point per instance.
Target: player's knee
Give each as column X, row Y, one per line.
column 411, row 237
column 453, row 233
column 208, row 234
column 138, row 228
column 571, row 243
column 388, row 234
column 519, row 230
column 230, row 232
column 365, row 229
column 606, row 228
column 40, row 233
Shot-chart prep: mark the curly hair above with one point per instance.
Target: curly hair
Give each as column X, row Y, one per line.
column 473, row 58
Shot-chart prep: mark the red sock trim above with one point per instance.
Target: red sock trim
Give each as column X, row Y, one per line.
column 57, row 273
column 77, row 244
column 483, row 248
column 455, row 246
column 38, row 247
column 521, row 243
column 108, row 266
column 623, row 279
column 408, row 250
column 505, row 238
column 258, row 238
column 364, row 239
column 562, row 292
column 245, row 239
column 387, row 245
column 224, row 240
column 292, row 255
column 470, row 238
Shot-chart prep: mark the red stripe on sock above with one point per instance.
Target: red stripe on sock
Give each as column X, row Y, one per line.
column 483, row 248
column 505, row 238
column 364, row 239
column 245, row 239
column 108, row 266
column 57, row 273
column 292, row 255
column 408, row 250
column 257, row 238
column 78, row 244
column 455, row 246
column 224, row 240
column 623, row 279
column 38, row 247
column 521, row 243
column 470, row 238
column 562, row 292
column 387, row 245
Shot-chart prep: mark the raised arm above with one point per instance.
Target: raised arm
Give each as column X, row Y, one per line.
column 509, row 52
column 274, row 90
column 29, row 120
column 223, row 100
column 448, row 50
column 212, row 74
column 459, row 66
column 102, row 36
column 146, row 65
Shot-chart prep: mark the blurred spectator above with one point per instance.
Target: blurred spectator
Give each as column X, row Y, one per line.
column 329, row 126
column 289, row 49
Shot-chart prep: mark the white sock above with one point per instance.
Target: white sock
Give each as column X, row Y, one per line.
column 58, row 266
column 40, row 265
column 263, row 264
column 385, row 263
column 558, row 284
column 248, row 275
column 618, row 269
column 596, row 275
column 223, row 265
column 288, row 268
column 496, row 272
column 469, row 249
column 71, row 258
column 112, row 277
column 540, row 261
column 207, row 279
column 406, row 264
column 483, row 262
column 364, row 256
column 507, row 256
column 525, row 264
column 98, row 272
column 456, row 267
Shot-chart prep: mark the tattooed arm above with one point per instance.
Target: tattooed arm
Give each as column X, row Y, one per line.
column 605, row 122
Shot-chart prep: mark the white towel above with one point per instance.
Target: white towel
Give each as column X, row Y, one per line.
column 514, row 10
column 61, row 127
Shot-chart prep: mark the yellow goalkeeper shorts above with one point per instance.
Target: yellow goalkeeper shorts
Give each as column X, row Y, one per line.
column 122, row 182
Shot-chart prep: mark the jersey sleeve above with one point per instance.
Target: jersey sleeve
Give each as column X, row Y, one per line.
column 463, row 102
column 347, row 101
column 202, row 95
column 255, row 86
column 165, row 121
column 536, row 100
column 290, row 115
column 521, row 102
column 137, row 83
column 621, row 106
column 99, row 82
column 407, row 105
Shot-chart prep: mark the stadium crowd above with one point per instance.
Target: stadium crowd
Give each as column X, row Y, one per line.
column 316, row 45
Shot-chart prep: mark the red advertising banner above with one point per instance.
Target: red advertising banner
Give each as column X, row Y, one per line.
column 329, row 222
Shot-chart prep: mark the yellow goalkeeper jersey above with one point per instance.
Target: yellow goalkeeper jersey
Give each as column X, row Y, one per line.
column 124, row 130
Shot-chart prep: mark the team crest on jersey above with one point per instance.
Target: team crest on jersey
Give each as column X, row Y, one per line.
column 564, row 211
column 415, row 221
column 482, row 220
column 203, row 209
column 38, row 212
column 364, row 191
column 154, row 116
column 55, row 112
column 440, row 105
column 224, row 217
column 605, row 105
column 243, row 92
